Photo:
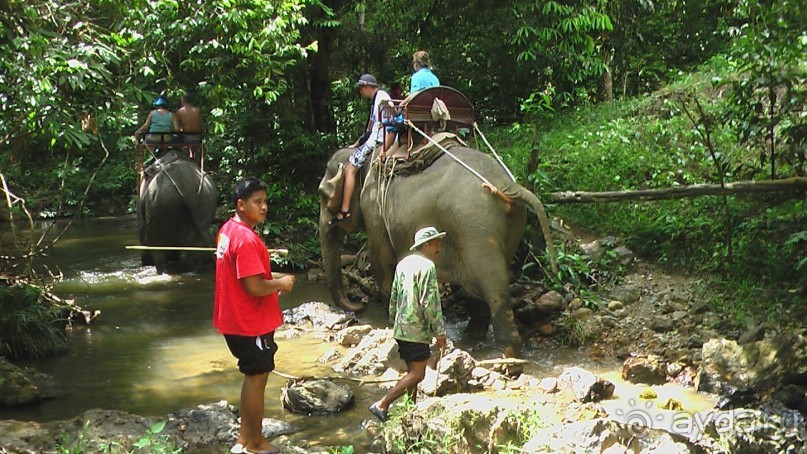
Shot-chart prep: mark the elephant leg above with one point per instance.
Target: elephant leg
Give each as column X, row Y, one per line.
column 479, row 320
column 382, row 262
column 492, row 283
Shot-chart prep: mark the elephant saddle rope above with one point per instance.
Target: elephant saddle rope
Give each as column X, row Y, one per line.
column 421, row 158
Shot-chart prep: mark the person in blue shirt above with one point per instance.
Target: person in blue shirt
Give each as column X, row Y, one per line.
column 423, row 76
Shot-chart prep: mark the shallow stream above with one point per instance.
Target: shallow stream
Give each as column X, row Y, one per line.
column 154, row 351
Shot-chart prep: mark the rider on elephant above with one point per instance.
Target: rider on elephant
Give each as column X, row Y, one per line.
column 423, row 76
column 374, row 136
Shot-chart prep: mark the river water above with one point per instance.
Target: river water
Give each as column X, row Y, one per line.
column 153, row 350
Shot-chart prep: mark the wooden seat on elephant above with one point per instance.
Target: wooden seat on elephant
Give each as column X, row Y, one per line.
column 417, row 108
column 431, row 110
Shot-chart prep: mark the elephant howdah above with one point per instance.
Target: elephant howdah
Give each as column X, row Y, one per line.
column 176, row 207
column 483, row 229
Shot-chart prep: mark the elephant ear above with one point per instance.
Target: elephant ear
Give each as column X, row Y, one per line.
column 330, row 189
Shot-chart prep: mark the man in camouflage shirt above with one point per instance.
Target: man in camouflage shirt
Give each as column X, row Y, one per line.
column 416, row 315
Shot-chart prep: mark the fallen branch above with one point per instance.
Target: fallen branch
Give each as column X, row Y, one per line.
column 75, row 312
column 794, row 185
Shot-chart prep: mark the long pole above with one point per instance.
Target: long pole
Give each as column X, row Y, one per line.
column 280, row 252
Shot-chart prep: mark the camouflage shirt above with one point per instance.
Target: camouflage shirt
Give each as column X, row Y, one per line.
column 414, row 309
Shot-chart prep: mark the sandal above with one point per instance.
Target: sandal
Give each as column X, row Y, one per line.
column 344, row 215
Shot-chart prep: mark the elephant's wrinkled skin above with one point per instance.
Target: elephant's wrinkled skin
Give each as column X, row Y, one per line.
column 175, row 208
column 483, row 231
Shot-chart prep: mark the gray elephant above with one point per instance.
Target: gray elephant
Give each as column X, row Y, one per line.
column 483, row 230
column 176, row 207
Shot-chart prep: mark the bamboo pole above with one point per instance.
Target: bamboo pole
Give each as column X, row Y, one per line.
column 280, row 252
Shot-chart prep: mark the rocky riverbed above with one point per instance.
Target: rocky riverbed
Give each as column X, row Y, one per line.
column 659, row 325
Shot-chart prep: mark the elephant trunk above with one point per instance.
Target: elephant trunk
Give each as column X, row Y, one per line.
column 331, row 241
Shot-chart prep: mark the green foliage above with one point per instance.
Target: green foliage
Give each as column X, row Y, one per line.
column 154, row 442
column 526, row 424
column 342, row 450
column 573, row 331
column 67, row 445
column 30, row 329
column 648, row 143
column 768, row 94
column 563, row 38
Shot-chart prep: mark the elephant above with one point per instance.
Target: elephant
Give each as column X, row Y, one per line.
column 176, row 207
column 483, row 230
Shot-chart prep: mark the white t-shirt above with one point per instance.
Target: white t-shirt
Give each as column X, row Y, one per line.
column 377, row 129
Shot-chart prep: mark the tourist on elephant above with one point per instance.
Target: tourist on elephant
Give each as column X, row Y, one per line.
column 188, row 121
column 246, row 309
column 158, row 128
column 423, row 76
column 416, row 315
column 373, row 136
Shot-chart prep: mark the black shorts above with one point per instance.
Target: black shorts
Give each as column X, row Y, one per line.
column 413, row 351
column 256, row 354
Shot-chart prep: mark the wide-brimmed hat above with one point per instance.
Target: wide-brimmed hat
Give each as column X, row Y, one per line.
column 367, row 79
column 160, row 101
column 425, row 235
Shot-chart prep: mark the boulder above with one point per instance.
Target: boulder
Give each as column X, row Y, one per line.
column 319, row 315
column 455, row 371
column 648, row 370
column 376, row 352
column 585, row 386
column 352, row 335
column 16, row 387
column 602, row 435
column 316, row 397
column 762, row 365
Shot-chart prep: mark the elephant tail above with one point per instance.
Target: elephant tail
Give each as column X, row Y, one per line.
column 520, row 193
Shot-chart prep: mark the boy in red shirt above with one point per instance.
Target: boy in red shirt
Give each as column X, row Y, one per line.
column 246, row 309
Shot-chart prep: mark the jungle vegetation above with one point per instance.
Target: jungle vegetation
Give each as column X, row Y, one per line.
column 587, row 95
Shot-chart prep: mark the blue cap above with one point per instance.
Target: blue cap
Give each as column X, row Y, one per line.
column 160, row 101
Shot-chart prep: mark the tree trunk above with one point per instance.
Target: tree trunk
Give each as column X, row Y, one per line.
column 794, row 185
column 607, row 77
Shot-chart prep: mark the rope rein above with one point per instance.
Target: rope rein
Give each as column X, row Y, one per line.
column 444, row 150
column 485, row 139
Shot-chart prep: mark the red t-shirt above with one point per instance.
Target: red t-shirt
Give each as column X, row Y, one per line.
column 240, row 253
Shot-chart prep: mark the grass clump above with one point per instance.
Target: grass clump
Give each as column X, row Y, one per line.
column 30, row 328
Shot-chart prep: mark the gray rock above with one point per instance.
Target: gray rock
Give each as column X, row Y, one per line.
column 585, row 386
column 352, row 335
column 316, row 397
column 376, row 352
column 661, row 325
column 727, row 365
column 607, row 436
column 648, row 370
column 753, row 334
column 16, row 387
column 319, row 315
column 451, row 376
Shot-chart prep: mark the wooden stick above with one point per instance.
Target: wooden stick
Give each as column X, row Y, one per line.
column 280, row 252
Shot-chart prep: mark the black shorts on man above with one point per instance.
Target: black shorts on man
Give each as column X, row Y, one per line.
column 255, row 354
column 413, row 351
